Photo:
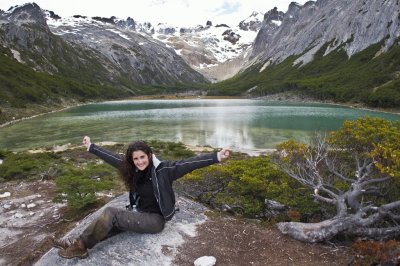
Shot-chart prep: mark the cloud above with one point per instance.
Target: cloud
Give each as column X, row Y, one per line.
column 227, row 8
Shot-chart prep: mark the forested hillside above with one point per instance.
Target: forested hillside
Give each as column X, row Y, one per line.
column 369, row 77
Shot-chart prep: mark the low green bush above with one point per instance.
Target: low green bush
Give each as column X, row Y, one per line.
column 24, row 165
column 244, row 184
column 80, row 185
column 170, row 150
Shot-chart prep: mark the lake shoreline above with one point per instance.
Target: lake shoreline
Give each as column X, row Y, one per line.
column 295, row 98
column 280, row 97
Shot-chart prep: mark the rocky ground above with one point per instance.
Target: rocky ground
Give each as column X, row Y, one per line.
column 28, row 216
column 236, row 242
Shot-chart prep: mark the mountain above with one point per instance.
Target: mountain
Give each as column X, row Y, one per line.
column 121, row 52
column 211, row 48
column 49, row 61
column 203, row 48
column 24, row 32
column 139, row 57
column 352, row 25
column 94, row 51
column 38, row 67
column 88, row 59
column 341, row 50
column 337, row 50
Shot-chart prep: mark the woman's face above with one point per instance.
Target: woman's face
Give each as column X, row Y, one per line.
column 140, row 160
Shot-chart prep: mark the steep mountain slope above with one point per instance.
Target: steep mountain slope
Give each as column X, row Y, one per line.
column 25, row 33
column 352, row 25
column 139, row 57
column 203, row 48
column 216, row 51
column 338, row 50
column 112, row 57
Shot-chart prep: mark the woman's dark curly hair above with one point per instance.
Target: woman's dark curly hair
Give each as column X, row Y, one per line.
column 128, row 169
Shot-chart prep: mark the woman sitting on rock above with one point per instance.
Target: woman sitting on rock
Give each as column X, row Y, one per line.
column 150, row 183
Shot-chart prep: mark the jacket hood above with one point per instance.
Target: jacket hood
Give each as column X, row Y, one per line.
column 156, row 162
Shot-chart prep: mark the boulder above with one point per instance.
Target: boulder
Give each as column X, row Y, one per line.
column 136, row 249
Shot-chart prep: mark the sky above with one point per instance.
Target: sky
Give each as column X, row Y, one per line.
column 174, row 12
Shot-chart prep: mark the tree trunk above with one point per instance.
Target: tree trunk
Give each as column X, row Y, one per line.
column 316, row 232
column 376, row 233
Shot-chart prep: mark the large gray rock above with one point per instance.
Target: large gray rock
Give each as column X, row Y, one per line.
column 136, row 249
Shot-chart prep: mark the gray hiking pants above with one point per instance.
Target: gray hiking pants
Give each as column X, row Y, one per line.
column 114, row 220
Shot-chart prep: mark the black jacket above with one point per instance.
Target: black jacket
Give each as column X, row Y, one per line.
column 163, row 174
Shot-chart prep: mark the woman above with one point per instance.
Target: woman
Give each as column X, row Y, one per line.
column 150, row 185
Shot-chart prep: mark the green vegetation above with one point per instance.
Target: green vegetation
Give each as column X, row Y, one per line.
column 78, row 174
column 25, row 165
column 355, row 170
column 368, row 77
column 170, row 150
column 243, row 183
column 22, row 87
column 374, row 138
column 80, row 185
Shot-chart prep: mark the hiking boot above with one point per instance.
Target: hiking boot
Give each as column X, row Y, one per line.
column 76, row 250
column 61, row 242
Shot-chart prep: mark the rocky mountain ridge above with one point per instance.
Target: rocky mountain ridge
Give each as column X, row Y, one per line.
column 113, row 57
column 340, row 50
column 125, row 51
column 347, row 24
column 201, row 47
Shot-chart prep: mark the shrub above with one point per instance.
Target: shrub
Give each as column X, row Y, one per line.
column 80, row 186
column 25, row 165
column 170, row 150
column 244, row 184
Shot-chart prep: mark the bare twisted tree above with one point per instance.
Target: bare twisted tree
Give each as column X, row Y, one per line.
column 355, row 170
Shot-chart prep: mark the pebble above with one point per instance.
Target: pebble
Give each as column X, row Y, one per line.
column 41, row 214
column 18, row 215
column 31, row 205
column 23, row 205
column 1, row 161
column 205, row 261
column 5, row 194
column 6, row 206
column 31, row 213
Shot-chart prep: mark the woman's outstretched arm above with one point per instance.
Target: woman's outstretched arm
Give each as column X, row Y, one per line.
column 177, row 169
column 106, row 155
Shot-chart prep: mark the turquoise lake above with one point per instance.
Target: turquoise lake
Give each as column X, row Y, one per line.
column 238, row 123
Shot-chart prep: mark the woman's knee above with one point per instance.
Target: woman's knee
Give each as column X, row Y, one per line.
column 158, row 226
column 109, row 213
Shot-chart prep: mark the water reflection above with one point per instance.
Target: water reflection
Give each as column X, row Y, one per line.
column 241, row 124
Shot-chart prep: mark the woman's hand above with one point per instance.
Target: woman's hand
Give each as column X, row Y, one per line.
column 224, row 154
column 86, row 142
